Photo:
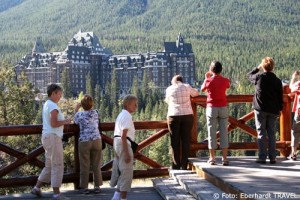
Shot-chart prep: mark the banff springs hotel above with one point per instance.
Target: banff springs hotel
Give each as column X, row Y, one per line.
column 85, row 56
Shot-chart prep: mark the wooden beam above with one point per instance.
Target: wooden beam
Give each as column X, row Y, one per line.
column 14, row 165
column 73, row 177
column 152, row 139
column 239, row 146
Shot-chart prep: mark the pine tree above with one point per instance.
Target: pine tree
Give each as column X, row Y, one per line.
column 66, row 84
column 97, row 97
column 89, row 89
column 17, row 104
column 114, row 89
column 135, row 87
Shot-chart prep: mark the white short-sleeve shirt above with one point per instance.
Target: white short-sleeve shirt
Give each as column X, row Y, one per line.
column 48, row 107
column 124, row 121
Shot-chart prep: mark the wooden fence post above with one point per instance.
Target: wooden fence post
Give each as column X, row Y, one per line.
column 285, row 121
column 194, row 130
column 76, row 160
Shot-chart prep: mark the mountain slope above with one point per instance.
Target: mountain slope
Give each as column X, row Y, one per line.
column 7, row 4
column 239, row 33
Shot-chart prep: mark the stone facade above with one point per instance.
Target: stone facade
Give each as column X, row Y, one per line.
column 85, row 56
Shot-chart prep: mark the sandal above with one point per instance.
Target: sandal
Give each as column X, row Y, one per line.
column 211, row 162
column 294, row 157
column 225, row 162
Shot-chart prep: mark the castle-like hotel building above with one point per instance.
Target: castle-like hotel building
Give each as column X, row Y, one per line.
column 85, row 56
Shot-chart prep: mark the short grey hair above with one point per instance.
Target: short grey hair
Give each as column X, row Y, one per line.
column 129, row 98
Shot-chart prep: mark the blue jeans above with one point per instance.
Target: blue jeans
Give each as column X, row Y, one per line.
column 266, row 126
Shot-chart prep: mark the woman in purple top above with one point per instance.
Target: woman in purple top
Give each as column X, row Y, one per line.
column 90, row 145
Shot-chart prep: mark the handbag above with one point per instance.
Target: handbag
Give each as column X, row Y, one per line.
column 133, row 144
column 103, row 142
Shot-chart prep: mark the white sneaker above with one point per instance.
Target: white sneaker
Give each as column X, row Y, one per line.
column 117, row 196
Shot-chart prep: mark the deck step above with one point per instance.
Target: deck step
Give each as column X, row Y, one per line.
column 169, row 189
column 197, row 186
column 188, row 184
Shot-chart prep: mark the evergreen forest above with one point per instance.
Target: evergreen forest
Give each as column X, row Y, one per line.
column 237, row 33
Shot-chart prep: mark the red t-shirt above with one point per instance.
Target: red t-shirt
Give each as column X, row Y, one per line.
column 296, row 89
column 216, row 87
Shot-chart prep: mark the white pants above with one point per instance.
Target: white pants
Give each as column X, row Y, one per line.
column 54, row 160
column 122, row 172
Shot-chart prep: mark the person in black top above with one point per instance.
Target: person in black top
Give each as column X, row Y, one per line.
column 267, row 103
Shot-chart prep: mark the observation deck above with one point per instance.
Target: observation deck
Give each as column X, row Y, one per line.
column 243, row 173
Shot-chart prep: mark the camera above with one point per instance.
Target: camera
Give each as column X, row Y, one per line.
column 197, row 83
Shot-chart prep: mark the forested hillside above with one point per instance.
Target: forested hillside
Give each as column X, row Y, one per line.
column 237, row 33
column 7, row 4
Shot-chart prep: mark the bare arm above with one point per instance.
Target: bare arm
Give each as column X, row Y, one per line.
column 54, row 120
column 207, row 75
column 125, row 145
column 294, row 77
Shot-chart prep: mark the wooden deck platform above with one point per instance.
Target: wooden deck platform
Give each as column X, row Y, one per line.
column 137, row 193
column 245, row 179
column 242, row 179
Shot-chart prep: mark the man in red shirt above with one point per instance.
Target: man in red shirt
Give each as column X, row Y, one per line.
column 216, row 110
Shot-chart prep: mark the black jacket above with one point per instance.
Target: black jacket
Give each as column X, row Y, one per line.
column 268, row 95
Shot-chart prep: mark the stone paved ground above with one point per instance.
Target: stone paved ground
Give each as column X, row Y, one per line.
column 137, row 193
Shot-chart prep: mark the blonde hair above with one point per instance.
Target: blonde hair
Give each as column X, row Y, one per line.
column 127, row 99
column 87, row 102
column 268, row 64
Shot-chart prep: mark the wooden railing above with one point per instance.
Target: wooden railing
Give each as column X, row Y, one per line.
column 285, row 121
column 155, row 168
